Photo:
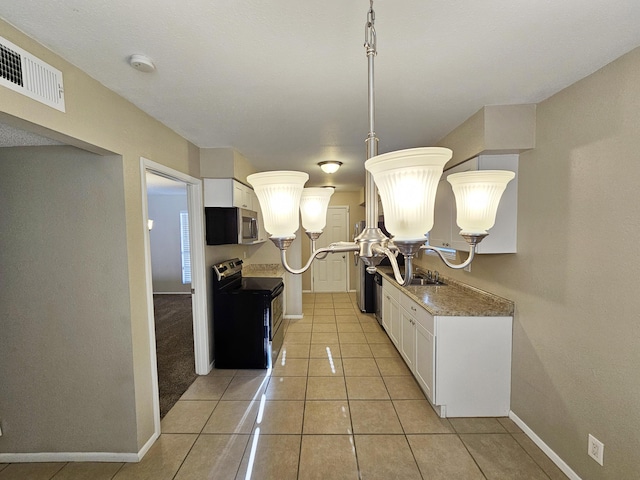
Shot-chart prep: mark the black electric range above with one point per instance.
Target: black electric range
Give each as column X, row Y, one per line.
column 248, row 312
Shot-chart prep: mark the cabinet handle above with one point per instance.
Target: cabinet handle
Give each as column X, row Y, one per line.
column 414, row 309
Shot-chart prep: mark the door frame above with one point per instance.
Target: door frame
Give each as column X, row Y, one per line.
column 201, row 342
column 347, row 272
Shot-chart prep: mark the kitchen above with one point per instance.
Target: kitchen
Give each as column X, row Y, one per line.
column 575, row 342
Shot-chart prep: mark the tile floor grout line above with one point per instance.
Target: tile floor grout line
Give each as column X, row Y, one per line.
column 304, row 410
column 59, row 470
column 118, row 471
column 186, row 456
column 348, row 400
column 254, row 427
column 470, row 454
column 529, row 455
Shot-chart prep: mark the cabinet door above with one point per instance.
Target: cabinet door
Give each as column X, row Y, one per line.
column 386, row 312
column 391, row 310
column 408, row 339
column 425, row 361
column 218, row 192
column 241, row 196
column 440, row 234
column 262, row 233
column 394, row 321
column 503, row 235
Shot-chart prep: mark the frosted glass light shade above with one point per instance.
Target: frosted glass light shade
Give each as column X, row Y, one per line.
column 330, row 166
column 313, row 208
column 477, row 195
column 407, row 181
column 279, row 196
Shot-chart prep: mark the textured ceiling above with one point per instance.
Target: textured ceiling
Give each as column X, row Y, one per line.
column 284, row 82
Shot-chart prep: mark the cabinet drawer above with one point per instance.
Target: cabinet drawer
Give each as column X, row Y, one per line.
column 390, row 290
column 424, row 318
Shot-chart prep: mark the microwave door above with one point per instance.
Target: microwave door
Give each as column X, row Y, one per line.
column 254, row 229
column 249, row 226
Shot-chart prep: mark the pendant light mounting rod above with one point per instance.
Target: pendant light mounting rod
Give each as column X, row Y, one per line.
column 408, row 179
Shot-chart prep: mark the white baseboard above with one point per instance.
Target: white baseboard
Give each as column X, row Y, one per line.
column 79, row 456
column 311, row 291
column 145, row 448
column 293, row 317
column 553, row 456
column 172, row 293
column 68, row 457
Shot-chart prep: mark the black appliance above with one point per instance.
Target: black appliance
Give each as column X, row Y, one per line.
column 378, row 296
column 231, row 225
column 365, row 283
column 248, row 326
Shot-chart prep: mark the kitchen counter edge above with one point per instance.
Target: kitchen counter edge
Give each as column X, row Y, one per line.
column 455, row 299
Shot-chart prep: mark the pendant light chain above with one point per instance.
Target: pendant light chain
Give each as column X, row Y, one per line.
column 370, row 31
column 371, row 142
column 410, row 220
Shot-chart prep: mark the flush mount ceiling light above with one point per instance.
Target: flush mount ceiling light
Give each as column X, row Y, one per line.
column 406, row 180
column 330, row 166
column 142, row 63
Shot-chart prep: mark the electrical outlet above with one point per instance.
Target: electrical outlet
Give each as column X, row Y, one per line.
column 596, row 449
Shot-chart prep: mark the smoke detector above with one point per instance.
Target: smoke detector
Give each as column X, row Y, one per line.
column 142, row 63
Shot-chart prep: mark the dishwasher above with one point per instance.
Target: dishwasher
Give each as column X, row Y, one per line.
column 378, row 296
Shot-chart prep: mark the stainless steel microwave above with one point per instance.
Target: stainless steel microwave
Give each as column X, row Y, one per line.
column 231, row 225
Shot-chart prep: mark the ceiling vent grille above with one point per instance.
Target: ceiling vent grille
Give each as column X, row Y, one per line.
column 30, row 76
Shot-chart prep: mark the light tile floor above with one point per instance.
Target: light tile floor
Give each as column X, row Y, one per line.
column 339, row 404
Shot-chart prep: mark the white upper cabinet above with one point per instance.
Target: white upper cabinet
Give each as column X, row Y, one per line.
column 227, row 192
column 502, row 236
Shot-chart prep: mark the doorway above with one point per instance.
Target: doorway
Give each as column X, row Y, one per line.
column 331, row 273
column 171, row 275
column 197, row 288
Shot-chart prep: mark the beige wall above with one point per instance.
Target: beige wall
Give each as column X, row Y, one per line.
column 103, row 122
column 165, row 240
column 356, row 213
column 574, row 280
column 66, row 363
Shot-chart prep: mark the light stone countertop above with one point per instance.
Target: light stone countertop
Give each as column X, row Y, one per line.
column 263, row 270
column 455, row 299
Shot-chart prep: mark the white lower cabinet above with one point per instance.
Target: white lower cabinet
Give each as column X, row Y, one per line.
column 463, row 364
column 391, row 311
column 408, row 339
column 425, row 356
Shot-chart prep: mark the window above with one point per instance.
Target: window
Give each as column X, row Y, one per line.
column 185, row 247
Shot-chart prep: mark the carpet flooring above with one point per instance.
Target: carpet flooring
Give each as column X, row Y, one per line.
column 174, row 347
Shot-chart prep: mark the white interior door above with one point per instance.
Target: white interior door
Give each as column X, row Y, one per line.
column 330, row 274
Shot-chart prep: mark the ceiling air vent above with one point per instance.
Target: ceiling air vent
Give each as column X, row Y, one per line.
column 30, row 76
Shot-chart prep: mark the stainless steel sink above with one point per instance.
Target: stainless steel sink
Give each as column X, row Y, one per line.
column 426, row 281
